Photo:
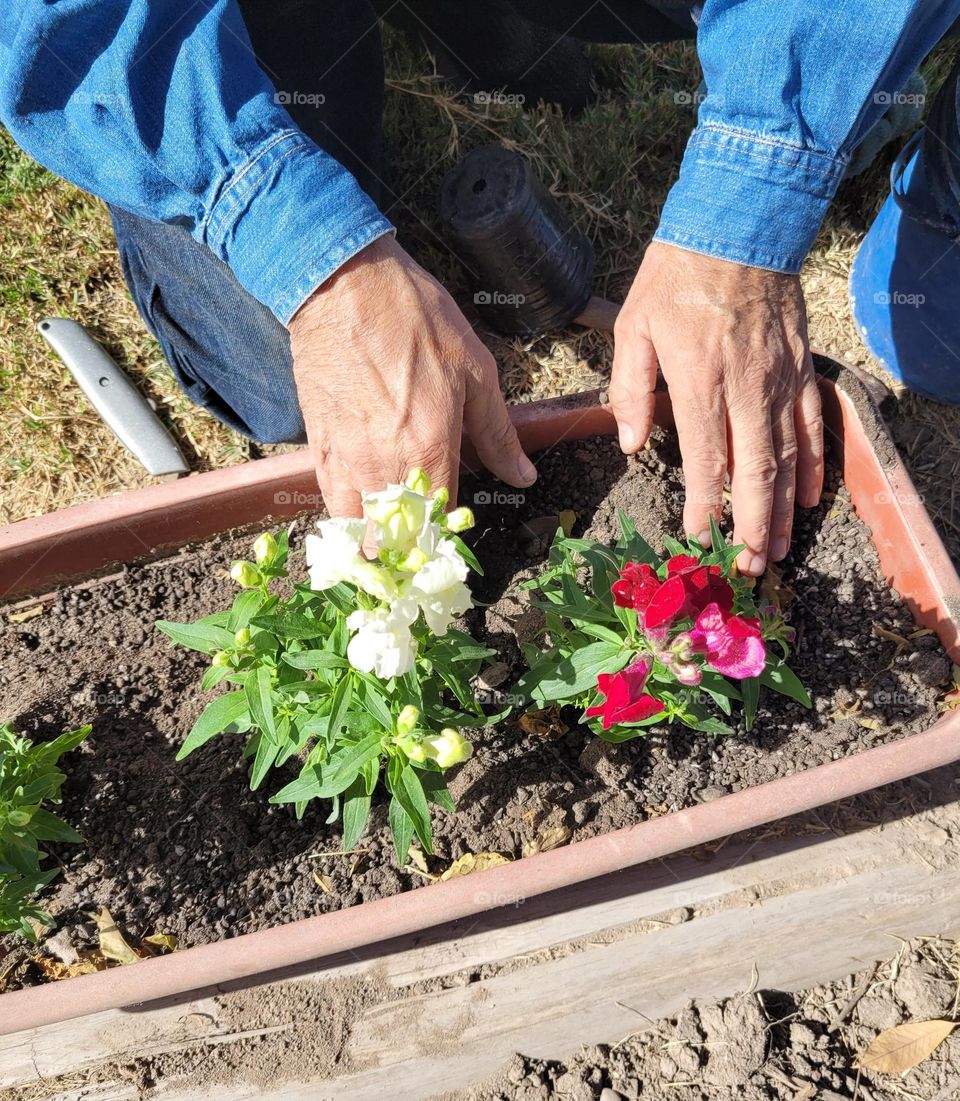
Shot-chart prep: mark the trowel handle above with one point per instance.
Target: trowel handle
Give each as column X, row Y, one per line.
column 599, row 314
column 125, row 410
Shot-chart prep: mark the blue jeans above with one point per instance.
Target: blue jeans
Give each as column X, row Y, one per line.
column 229, row 352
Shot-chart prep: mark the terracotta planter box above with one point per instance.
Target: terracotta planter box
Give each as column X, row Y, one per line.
column 37, row 555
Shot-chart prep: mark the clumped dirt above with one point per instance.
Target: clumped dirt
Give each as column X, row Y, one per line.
column 766, row 1045
column 186, row 848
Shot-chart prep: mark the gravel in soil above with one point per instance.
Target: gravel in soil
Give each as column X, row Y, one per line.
column 767, row 1045
column 186, row 848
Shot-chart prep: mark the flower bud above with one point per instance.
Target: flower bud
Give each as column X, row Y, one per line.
column 682, row 646
column 413, row 748
column 688, row 673
column 447, row 748
column 440, row 499
column 242, row 637
column 407, row 719
column 417, row 480
column 414, row 561
column 460, row 519
column 246, row 575
column 19, row 818
column 264, row 547
column 221, row 658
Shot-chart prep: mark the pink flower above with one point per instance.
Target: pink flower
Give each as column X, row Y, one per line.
column 732, row 644
column 637, row 584
column 626, row 701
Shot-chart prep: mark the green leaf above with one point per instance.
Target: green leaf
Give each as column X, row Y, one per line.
column 409, row 791
column 435, row 789
column 336, row 775
column 401, row 826
column 375, row 702
column 468, row 556
column 314, row 659
column 245, row 607
column 266, row 755
column 203, row 636
column 635, row 547
column 290, row 625
column 356, row 809
column 340, row 705
column 45, row 826
column 220, row 715
column 750, row 688
column 782, row 679
column 259, row 692
column 717, row 542
column 578, row 673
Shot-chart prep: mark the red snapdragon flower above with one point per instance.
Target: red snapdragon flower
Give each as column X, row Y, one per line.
column 689, row 587
column 626, row 700
column 636, row 587
column 732, row 644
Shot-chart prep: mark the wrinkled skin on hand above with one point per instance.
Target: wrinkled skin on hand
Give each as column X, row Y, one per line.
column 731, row 342
column 388, row 372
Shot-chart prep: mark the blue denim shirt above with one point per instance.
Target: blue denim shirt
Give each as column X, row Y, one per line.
column 159, row 107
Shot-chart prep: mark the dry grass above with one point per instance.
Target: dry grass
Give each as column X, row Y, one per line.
column 611, row 168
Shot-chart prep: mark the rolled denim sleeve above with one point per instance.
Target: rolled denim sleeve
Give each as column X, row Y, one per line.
column 160, row 108
column 791, row 90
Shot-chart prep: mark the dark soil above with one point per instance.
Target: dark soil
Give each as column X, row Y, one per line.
column 187, row 849
column 771, row 1045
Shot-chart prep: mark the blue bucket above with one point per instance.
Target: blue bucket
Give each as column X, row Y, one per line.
column 905, row 282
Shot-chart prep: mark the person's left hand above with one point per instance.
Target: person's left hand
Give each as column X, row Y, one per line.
column 731, row 342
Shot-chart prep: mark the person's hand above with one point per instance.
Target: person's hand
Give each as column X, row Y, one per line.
column 731, row 342
column 388, row 371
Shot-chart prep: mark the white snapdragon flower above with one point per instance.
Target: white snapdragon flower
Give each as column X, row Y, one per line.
column 398, row 515
column 438, row 587
column 383, row 643
column 335, row 555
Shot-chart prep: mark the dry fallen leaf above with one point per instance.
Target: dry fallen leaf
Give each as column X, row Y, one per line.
column 324, row 882
column 890, row 636
column 22, row 617
column 112, row 943
column 548, row 837
column 55, row 970
column 869, row 724
column 567, row 519
column 417, row 858
column 166, row 942
column 898, row 1049
column 545, row 724
column 473, row 862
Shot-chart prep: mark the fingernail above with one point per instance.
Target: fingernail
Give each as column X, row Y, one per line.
column 628, row 438
column 704, row 538
column 753, row 565
column 779, row 548
column 526, row 470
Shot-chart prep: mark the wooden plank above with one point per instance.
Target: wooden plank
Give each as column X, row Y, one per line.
column 613, row 906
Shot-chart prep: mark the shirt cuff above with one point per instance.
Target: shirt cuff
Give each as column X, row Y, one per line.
column 287, row 219
column 749, row 198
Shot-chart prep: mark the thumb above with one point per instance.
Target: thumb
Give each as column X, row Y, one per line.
column 492, row 433
column 632, row 383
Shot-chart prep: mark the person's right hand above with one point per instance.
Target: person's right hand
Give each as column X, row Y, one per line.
column 388, row 371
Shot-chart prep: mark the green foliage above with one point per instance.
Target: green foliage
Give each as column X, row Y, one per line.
column 296, row 698
column 29, row 778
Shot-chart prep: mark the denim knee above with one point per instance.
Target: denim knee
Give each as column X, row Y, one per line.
column 227, row 350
